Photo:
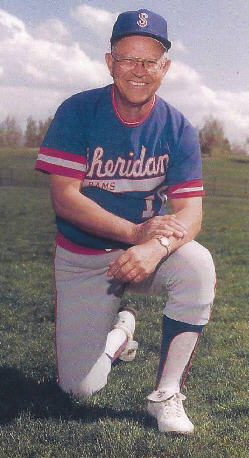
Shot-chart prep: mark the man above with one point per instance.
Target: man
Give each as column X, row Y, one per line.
column 114, row 154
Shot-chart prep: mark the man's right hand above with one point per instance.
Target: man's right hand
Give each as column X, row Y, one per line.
column 167, row 225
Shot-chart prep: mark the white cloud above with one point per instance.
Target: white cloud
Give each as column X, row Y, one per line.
column 179, row 47
column 98, row 20
column 23, row 101
column 10, row 25
column 36, row 62
column 36, row 74
column 183, row 87
column 52, row 30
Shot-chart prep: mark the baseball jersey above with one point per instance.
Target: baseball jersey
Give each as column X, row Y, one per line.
column 129, row 169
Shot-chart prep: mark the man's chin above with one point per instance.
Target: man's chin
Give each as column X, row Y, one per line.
column 134, row 98
column 139, row 101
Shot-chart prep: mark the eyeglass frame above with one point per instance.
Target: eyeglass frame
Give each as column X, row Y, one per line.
column 136, row 60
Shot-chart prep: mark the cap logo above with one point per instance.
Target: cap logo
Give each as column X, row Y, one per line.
column 142, row 22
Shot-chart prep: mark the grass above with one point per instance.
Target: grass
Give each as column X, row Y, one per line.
column 227, row 176
column 38, row 420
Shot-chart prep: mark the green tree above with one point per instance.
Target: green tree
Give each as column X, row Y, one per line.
column 31, row 133
column 10, row 132
column 35, row 131
column 42, row 129
column 212, row 139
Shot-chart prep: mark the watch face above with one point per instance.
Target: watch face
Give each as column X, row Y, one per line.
column 164, row 241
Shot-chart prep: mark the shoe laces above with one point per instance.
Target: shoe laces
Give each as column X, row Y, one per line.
column 173, row 406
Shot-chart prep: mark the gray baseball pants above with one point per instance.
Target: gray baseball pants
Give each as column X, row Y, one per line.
column 88, row 302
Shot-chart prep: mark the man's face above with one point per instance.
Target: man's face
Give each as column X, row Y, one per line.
column 138, row 85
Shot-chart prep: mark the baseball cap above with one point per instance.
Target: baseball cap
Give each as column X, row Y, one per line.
column 141, row 22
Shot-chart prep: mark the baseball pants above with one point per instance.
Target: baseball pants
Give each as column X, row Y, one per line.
column 88, row 302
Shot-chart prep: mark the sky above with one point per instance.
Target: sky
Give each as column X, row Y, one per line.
column 51, row 49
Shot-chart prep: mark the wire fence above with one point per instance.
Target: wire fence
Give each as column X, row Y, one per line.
column 214, row 186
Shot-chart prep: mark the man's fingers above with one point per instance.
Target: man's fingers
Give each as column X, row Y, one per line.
column 126, row 273
column 140, row 276
column 172, row 225
column 129, row 274
column 126, row 276
column 126, row 268
column 171, row 221
column 171, row 232
column 115, row 266
column 174, row 228
column 165, row 233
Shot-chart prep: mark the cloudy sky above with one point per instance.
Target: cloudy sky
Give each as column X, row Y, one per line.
column 50, row 49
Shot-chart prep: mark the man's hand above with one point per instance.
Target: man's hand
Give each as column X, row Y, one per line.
column 138, row 262
column 167, row 226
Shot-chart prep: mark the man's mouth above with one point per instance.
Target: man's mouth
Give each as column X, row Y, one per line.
column 136, row 83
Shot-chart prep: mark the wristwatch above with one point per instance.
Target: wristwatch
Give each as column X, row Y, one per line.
column 165, row 242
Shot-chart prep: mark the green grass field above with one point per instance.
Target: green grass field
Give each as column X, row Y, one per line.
column 38, row 421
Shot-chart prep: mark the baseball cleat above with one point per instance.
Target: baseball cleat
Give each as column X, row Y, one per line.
column 129, row 352
column 169, row 413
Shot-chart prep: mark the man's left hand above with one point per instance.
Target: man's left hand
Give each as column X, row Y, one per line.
column 138, row 262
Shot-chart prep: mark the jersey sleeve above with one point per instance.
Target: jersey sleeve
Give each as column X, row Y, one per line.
column 184, row 176
column 63, row 150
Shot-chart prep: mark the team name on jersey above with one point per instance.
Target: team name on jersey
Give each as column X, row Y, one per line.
column 127, row 168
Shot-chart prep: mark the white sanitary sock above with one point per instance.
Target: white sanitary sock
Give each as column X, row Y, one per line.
column 116, row 340
column 177, row 359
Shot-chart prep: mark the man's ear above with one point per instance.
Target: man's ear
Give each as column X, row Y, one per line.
column 109, row 62
column 166, row 66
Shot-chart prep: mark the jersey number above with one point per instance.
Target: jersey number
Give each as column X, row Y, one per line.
column 149, row 201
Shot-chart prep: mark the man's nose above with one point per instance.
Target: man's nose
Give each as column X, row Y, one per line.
column 139, row 68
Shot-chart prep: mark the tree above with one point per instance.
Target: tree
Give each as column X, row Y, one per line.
column 43, row 127
column 212, row 139
column 2, row 135
column 35, row 131
column 10, row 132
column 31, row 133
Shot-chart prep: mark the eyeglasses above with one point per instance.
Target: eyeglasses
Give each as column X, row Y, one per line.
column 129, row 63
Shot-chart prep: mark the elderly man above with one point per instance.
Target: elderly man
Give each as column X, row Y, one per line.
column 115, row 154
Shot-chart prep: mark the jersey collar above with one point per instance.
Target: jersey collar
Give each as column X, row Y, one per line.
column 128, row 123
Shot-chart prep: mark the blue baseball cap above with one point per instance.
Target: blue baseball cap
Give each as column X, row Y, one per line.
column 141, row 22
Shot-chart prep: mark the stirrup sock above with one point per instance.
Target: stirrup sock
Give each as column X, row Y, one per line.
column 179, row 341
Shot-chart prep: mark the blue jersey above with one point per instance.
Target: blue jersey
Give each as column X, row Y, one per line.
column 129, row 169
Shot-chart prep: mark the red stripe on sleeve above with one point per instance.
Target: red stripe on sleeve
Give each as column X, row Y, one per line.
column 180, row 195
column 63, row 155
column 186, row 184
column 191, row 188
column 59, row 170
